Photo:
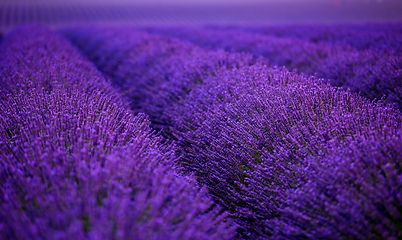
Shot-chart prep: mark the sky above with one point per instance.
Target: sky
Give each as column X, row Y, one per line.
column 335, row 3
column 14, row 12
column 196, row 2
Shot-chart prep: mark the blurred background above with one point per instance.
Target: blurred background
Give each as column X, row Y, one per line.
column 55, row 13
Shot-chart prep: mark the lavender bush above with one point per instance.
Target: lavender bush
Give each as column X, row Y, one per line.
column 287, row 155
column 248, row 133
column 375, row 36
column 154, row 72
column 370, row 72
column 353, row 193
column 34, row 57
column 228, row 126
column 289, row 52
column 77, row 164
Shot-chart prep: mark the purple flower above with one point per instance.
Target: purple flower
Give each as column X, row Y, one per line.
column 153, row 72
column 376, row 36
column 34, row 57
column 248, row 135
column 77, row 164
column 353, row 193
column 373, row 72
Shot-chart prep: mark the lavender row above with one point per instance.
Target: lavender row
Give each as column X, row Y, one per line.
column 77, row 164
column 372, row 73
column 249, row 134
column 154, row 72
column 375, row 36
column 353, row 193
column 46, row 62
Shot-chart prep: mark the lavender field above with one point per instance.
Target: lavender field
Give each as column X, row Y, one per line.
column 201, row 132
